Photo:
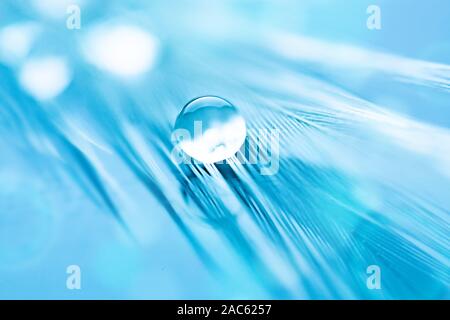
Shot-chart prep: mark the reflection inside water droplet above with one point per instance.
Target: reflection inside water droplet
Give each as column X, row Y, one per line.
column 210, row 129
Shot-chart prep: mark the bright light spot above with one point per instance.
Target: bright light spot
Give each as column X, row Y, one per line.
column 122, row 50
column 55, row 9
column 45, row 78
column 16, row 41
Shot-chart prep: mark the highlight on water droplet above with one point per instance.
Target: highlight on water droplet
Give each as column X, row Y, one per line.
column 210, row 129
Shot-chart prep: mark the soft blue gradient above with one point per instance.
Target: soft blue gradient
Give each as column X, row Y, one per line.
column 86, row 178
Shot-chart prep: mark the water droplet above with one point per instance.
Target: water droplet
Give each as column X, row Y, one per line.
column 210, row 129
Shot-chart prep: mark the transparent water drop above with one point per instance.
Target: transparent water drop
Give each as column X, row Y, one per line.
column 210, row 129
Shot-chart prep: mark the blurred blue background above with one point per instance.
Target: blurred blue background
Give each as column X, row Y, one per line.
column 85, row 120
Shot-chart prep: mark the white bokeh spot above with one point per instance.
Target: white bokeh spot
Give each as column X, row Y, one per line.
column 123, row 50
column 45, row 78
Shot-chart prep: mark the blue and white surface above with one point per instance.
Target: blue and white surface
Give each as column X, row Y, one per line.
column 86, row 170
